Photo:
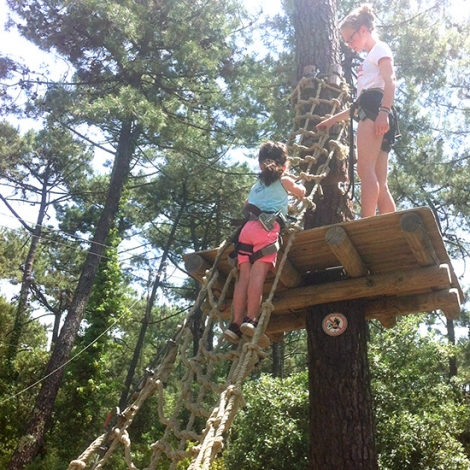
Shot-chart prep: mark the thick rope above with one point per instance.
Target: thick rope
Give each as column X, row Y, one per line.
column 200, row 395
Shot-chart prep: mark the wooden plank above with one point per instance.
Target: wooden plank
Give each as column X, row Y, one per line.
column 380, row 243
column 383, row 309
column 445, row 300
column 395, row 283
column 290, row 277
column 401, row 283
column 284, row 323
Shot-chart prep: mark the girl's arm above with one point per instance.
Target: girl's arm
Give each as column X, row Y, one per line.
column 298, row 190
column 388, row 74
column 327, row 123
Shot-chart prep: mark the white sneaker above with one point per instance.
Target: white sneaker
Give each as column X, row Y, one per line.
column 248, row 328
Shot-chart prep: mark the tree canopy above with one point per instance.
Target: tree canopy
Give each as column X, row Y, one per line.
column 173, row 93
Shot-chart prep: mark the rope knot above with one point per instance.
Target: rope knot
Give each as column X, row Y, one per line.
column 76, row 464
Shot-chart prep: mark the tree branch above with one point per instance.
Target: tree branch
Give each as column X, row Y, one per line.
column 20, row 219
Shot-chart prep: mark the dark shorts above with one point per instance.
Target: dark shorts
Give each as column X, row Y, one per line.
column 368, row 108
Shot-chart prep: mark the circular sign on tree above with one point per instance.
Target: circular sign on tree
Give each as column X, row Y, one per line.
column 334, row 324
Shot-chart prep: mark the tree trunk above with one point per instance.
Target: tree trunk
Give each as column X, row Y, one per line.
column 278, row 349
column 148, row 311
column 36, row 428
column 316, row 36
column 20, row 315
column 451, row 338
column 341, row 420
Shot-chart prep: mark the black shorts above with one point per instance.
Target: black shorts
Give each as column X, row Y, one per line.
column 368, row 108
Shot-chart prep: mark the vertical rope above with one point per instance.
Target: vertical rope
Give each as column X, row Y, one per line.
column 200, row 395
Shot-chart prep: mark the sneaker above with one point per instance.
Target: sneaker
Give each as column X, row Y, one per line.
column 233, row 333
column 248, row 328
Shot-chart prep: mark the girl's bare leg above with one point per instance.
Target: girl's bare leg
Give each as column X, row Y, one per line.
column 258, row 274
column 241, row 293
column 385, row 202
column 368, row 148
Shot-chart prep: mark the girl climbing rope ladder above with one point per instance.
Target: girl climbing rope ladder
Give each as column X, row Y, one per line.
column 256, row 250
column 377, row 118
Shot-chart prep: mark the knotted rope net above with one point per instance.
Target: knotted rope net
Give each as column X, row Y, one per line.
column 209, row 406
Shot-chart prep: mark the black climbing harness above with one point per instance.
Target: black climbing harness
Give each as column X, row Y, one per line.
column 267, row 220
column 367, row 107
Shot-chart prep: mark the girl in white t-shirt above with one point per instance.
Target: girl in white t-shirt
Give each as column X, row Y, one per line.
column 377, row 120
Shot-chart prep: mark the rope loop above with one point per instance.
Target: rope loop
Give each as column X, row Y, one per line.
column 312, row 152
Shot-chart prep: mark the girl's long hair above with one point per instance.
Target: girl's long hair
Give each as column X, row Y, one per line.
column 273, row 157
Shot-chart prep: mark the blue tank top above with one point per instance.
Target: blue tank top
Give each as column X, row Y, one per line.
column 272, row 198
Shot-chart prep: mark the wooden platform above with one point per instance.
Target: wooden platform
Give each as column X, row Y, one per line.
column 396, row 262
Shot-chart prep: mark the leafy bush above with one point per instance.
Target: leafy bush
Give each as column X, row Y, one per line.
column 420, row 413
column 271, row 432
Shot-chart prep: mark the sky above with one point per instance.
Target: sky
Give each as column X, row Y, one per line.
column 12, row 43
column 15, row 46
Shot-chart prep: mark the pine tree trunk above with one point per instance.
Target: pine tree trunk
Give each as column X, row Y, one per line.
column 278, row 349
column 316, row 35
column 341, row 420
column 451, row 338
column 21, row 309
column 148, row 312
column 36, row 428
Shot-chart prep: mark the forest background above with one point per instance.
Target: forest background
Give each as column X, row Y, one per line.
column 174, row 109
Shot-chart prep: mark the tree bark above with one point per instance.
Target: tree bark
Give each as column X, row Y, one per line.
column 341, row 419
column 278, row 349
column 316, row 35
column 36, row 428
column 451, row 338
column 20, row 315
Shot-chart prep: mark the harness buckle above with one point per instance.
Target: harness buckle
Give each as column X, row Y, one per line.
column 267, row 220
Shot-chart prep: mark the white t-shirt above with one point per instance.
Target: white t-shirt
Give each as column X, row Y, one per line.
column 368, row 75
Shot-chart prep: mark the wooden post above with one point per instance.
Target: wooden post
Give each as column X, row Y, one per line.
column 197, row 268
column 346, row 252
column 418, row 239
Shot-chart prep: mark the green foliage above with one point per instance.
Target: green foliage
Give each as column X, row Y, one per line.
column 191, row 91
column 199, row 201
column 420, row 413
column 431, row 164
column 92, row 383
column 12, row 250
column 15, row 400
column 463, row 350
column 271, row 431
column 422, row 417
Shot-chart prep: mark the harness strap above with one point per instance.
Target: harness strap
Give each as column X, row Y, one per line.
column 267, row 250
column 352, row 110
column 246, row 249
column 253, row 212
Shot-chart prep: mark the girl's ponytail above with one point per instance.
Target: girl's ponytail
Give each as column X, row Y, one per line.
column 273, row 159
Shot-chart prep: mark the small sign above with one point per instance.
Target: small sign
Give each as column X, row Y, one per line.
column 334, row 324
